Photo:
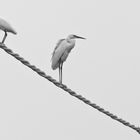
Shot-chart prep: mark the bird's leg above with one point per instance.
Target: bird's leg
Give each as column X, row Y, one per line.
column 60, row 81
column 61, row 71
column 5, row 35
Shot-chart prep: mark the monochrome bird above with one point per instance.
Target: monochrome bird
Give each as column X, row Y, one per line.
column 61, row 52
column 6, row 27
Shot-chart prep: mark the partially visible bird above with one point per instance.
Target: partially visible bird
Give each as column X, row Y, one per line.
column 61, row 52
column 6, row 27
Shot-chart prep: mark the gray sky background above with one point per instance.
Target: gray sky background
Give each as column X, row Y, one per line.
column 105, row 69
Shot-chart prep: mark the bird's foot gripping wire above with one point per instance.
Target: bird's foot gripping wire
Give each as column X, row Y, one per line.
column 138, row 130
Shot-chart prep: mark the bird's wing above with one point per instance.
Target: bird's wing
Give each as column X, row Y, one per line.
column 57, row 45
column 59, row 51
column 5, row 26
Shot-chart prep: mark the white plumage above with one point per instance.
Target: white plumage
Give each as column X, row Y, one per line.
column 6, row 27
column 61, row 52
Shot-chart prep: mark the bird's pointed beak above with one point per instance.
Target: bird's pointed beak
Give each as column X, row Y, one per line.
column 79, row 37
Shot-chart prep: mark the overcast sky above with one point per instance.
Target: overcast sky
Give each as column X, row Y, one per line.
column 105, row 69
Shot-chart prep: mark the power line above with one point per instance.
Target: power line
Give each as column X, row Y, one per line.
column 65, row 88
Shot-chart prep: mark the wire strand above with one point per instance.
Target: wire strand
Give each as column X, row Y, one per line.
column 65, row 88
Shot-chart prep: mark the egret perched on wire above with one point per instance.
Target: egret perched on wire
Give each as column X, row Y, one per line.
column 61, row 52
column 6, row 27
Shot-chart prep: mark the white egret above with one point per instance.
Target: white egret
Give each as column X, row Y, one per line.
column 6, row 27
column 61, row 52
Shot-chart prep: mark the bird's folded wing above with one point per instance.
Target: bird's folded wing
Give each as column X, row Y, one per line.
column 5, row 26
column 57, row 55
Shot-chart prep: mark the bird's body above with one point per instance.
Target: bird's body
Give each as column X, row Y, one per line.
column 61, row 52
column 6, row 27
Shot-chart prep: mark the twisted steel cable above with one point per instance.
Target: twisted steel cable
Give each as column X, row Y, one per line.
column 65, row 88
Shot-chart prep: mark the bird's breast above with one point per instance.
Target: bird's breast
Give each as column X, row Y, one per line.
column 70, row 46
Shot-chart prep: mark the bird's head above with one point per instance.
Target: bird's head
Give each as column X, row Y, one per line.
column 75, row 37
